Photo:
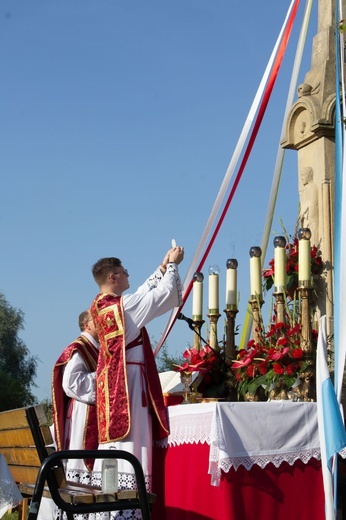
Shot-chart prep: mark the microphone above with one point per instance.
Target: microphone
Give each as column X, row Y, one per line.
column 189, row 321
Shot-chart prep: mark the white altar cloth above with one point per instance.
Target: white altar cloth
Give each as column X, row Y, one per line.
column 9, row 493
column 262, row 433
column 247, row 433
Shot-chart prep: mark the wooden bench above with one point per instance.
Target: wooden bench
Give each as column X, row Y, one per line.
column 24, row 437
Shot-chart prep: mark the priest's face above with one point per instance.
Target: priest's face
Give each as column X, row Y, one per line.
column 121, row 280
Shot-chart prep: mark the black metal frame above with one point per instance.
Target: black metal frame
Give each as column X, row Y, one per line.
column 55, row 459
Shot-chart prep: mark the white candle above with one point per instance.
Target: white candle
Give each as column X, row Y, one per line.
column 213, row 293
column 304, row 256
column 197, row 300
column 280, row 264
column 231, row 283
column 255, row 271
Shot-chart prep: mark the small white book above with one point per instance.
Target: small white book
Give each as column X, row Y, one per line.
column 171, row 383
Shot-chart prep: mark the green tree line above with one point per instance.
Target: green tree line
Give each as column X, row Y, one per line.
column 17, row 366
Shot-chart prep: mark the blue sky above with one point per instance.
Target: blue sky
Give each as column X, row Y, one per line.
column 118, row 120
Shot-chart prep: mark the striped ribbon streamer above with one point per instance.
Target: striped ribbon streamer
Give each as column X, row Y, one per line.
column 281, row 45
column 279, row 159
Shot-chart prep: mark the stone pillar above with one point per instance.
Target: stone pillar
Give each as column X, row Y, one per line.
column 310, row 131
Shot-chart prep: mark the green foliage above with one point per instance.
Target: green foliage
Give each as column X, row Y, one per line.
column 47, row 405
column 165, row 361
column 10, row 516
column 17, row 366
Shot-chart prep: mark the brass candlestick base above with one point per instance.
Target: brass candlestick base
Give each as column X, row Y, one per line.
column 256, row 304
column 213, row 342
column 306, row 391
column 306, row 334
column 230, row 332
column 280, row 306
column 197, row 333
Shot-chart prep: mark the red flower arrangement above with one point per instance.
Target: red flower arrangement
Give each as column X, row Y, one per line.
column 276, row 357
column 292, row 266
column 211, row 364
column 197, row 360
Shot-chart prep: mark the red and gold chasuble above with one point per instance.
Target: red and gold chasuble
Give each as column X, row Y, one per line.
column 112, row 396
column 60, row 401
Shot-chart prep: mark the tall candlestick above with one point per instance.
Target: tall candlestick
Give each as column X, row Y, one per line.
column 197, row 297
column 304, row 256
column 213, row 301
column 231, row 283
column 255, row 271
column 280, row 264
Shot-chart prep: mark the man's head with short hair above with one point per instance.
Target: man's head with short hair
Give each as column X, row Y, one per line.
column 103, row 267
column 83, row 319
column 86, row 324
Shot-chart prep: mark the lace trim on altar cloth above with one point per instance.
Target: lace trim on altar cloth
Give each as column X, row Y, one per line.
column 186, row 429
column 216, row 465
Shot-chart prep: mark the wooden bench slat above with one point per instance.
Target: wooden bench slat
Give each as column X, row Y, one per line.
column 13, row 419
column 16, row 437
column 24, row 474
column 21, row 456
column 74, row 494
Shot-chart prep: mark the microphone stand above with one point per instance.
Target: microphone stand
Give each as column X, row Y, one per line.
column 194, row 326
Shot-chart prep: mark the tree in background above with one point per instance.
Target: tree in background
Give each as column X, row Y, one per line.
column 17, row 366
column 166, row 361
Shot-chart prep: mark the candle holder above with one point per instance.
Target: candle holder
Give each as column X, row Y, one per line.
column 306, row 332
column 231, row 313
column 256, row 304
column 213, row 342
column 280, row 302
column 306, row 391
column 197, row 326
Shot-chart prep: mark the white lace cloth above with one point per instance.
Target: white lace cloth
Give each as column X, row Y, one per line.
column 189, row 424
column 9, row 493
column 247, row 433
column 259, row 433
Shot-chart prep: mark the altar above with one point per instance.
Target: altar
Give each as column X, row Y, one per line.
column 239, row 461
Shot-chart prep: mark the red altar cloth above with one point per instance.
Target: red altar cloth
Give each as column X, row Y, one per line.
column 184, row 492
